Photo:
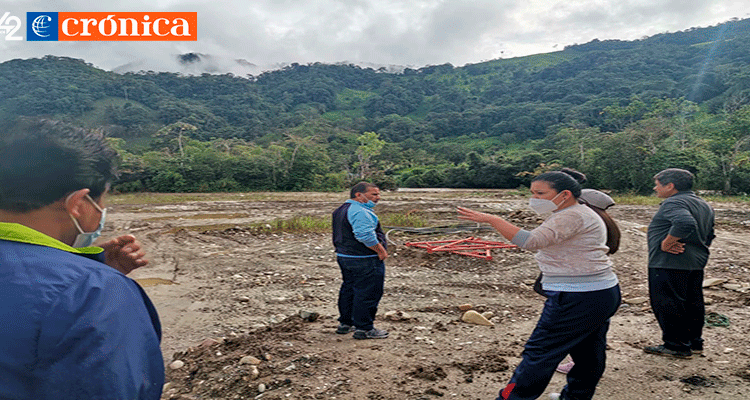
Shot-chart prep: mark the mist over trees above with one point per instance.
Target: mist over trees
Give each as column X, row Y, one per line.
column 618, row 111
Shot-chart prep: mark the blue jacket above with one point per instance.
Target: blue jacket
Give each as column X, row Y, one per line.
column 71, row 327
column 355, row 227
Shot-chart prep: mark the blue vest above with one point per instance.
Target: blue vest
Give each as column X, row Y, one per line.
column 343, row 235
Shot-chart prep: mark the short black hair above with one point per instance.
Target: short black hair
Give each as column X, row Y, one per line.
column 681, row 178
column 565, row 179
column 42, row 161
column 361, row 187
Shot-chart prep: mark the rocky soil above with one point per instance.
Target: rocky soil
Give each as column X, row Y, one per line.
column 248, row 315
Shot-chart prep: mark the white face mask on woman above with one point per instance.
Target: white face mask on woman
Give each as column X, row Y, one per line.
column 543, row 206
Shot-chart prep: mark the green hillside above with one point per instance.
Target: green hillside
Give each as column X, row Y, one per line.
column 673, row 99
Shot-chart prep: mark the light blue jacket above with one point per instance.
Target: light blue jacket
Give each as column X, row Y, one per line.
column 363, row 221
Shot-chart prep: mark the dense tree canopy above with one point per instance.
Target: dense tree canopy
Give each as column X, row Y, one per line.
column 617, row 110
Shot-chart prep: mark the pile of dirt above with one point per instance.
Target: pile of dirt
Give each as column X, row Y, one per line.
column 234, row 368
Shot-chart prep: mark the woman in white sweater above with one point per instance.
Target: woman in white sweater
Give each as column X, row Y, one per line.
column 572, row 247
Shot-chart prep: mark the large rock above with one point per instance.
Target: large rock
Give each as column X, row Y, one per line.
column 177, row 364
column 713, row 282
column 249, row 360
column 636, row 300
column 396, row 315
column 476, row 318
column 309, row 316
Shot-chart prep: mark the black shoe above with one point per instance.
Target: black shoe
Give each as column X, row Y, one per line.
column 343, row 329
column 663, row 351
column 373, row 333
column 697, row 347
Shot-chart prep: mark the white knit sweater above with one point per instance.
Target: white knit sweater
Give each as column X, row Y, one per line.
column 571, row 250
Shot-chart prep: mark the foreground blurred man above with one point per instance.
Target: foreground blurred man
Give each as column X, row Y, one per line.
column 678, row 238
column 72, row 326
column 360, row 251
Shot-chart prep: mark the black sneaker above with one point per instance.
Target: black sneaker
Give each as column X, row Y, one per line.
column 343, row 329
column 373, row 333
column 663, row 351
column 697, row 347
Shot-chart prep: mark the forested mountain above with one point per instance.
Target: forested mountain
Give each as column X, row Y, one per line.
column 617, row 110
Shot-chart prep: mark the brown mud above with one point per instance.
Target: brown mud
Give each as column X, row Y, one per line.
column 252, row 316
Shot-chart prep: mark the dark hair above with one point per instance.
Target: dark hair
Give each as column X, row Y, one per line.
column 361, row 187
column 42, row 161
column 565, row 179
column 570, row 179
column 681, row 178
column 613, row 231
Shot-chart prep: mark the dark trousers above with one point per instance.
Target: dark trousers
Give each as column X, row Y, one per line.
column 677, row 301
column 574, row 323
column 361, row 290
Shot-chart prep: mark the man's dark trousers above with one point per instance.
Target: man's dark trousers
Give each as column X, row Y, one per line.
column 677, row 302
column 361, row 290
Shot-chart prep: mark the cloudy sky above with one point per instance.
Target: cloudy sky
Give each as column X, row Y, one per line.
column 412, row 33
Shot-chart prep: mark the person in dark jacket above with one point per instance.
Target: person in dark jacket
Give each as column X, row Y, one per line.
column 72, row 325
column 678, row 239
column 360, row 252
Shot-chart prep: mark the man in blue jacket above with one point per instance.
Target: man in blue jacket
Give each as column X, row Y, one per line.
column 678, row 239
column 360, row 250
column 72, row 325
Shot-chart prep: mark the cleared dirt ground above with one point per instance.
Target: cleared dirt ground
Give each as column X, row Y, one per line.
column 225, row 292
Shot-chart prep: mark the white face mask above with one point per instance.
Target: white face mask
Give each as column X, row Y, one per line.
column 543, row 206
column 85, row 239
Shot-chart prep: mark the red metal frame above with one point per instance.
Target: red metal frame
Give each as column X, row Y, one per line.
column 466, row 247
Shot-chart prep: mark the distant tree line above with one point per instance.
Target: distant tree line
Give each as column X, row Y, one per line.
column 617, row 110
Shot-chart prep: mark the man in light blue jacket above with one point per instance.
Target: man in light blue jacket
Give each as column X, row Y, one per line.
column 360, row 250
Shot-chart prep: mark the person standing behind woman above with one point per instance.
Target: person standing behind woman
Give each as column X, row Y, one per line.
column 582, row 289
column 679, row 236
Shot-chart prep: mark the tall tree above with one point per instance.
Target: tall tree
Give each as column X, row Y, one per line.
column 369, row 146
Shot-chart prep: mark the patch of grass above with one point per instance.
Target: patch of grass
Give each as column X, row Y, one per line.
column 198, row 216
column 640, row 200
column 297, row 224
column 322, row 224
column 180, row 198
column 302, row 224
column 636, row 200
column 169, row 198
column 408, row 219
column 727, row 199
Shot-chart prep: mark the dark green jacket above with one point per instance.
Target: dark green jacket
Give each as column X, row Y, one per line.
column 686, row 216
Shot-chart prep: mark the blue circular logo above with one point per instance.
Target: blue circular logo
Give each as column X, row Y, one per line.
column 41, row 25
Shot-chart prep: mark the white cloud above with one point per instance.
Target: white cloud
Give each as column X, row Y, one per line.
column 388, row 32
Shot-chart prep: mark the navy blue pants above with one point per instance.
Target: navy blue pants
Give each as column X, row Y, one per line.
column 361, row 290
column 677, row 300
column 574, row 323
